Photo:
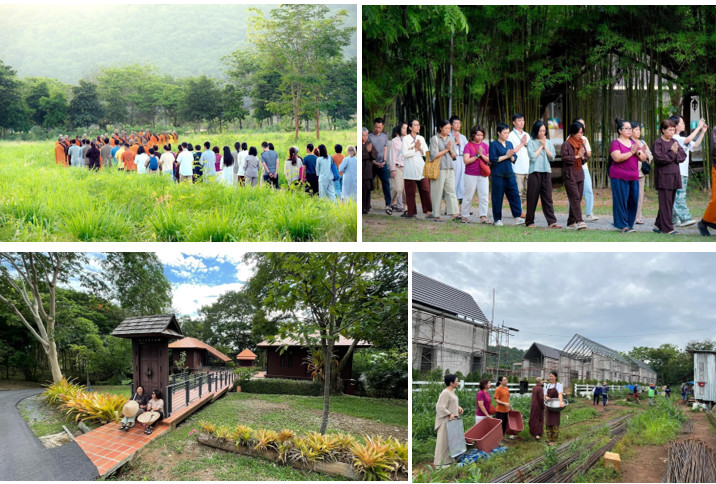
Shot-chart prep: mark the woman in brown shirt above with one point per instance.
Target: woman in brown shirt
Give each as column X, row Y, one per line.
column 574, row 155
column 667, row 177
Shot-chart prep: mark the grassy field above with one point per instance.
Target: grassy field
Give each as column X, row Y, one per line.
column 41, row 201
column 177, row 455
column 397, row 229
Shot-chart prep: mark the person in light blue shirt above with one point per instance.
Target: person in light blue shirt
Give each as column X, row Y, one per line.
column 325, row 174
column 349, row 170
column 541, row 153
column 114, row 151
column 208, row 162
column 459, row 142
column 75, row 154
column 269, row 162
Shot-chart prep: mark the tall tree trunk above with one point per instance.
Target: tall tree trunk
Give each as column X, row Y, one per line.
column 318, row 129
column 296, row 95
column 328, row 360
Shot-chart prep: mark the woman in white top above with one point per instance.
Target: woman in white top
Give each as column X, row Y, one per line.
column 414, row 149
column 156, row 404
column 553, row 390
column 240, row 159
column 349, row 170
column 167, row 162
column 292, row 167
column 396, row 165
column 140, row 160
column 227, row 168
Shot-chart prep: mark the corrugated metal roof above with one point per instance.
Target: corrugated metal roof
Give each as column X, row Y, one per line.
column 193, row 343
column 155, row 325
column 446, row 298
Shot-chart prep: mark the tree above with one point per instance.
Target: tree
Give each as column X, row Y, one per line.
column 227, row 321
column 138, row 282
column 36, row 91
column 326, row 295
column 202, row 99
column 14, row 113
column 56, row 110
column 33, row 278
column 85, row 108
column 302, row 39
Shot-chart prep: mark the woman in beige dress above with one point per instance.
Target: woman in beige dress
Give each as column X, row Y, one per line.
column 446, row 409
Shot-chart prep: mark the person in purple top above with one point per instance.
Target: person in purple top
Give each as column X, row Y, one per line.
column 625, row 155
column 482, row 410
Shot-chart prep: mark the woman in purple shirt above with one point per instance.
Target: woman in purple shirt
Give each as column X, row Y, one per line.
column 625, row 155
column 483, row 401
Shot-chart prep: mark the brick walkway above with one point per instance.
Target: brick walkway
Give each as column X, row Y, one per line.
column 109, row 448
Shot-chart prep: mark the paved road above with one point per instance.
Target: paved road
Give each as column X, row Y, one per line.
column 604, row 222
column 24, row 458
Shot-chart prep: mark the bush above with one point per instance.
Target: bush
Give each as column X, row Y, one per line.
column 387, row 376
column 281, row 386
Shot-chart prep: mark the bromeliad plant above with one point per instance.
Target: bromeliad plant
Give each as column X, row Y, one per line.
column 374, row 458
column 83, row 404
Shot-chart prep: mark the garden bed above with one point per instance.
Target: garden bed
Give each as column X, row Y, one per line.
column 340, row 469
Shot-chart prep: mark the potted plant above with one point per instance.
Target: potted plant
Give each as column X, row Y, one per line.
column 244, row 374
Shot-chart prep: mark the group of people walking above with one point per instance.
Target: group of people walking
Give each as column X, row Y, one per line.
column 448, row 408
column 333, row 177
column 520, row 166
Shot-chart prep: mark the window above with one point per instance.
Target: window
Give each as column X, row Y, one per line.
column 426, row 360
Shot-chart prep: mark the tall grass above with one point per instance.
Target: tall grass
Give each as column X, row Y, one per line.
column 40, row 200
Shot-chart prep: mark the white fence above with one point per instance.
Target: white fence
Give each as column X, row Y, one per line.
column 472, row 387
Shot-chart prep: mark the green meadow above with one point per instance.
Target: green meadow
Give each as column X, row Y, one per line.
column 42, row 201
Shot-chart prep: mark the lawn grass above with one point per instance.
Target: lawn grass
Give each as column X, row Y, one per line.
column 177, row 455
column 397, row 229
column 42, row 201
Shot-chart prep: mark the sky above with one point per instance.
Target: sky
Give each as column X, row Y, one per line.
column 197, row 277
column 620, row 300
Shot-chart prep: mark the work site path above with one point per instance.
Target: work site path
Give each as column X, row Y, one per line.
column 648, row 464
column 604, row 223
column 24, row 458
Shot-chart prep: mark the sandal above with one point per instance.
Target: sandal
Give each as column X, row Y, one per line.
column 389, row 210
column 555, row 226
column 463, row 220
column 483, row 220
column 531, row 226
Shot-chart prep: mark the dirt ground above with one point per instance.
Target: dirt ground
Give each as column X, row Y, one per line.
column 649, row 462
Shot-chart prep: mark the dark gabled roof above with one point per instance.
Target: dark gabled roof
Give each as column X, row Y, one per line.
column 547, row 351
column 157, row 325
column 435, row 294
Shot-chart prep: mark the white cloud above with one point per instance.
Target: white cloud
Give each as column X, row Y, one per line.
column 188, row 298
column 184, row 263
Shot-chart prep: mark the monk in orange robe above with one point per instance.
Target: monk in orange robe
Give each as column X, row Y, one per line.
column 60, row 157
column 134, row 148
column 709, row 218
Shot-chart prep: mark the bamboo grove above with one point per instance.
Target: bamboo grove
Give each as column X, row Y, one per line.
column 484, row 63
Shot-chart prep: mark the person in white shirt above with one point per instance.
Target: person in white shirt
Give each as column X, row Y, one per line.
column 140, row 160
column 396, row 164
column 519, row 138
column 459, row 143
column 186, row 163
column 414, row 149
column 682, row 216
column 227, row 176
column 167, row 162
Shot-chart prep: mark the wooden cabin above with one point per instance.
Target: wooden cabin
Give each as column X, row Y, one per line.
column 198, row 354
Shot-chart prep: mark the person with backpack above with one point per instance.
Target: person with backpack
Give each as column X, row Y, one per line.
column 152, row 163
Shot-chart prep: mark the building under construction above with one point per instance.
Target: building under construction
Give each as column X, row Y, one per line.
column 450, row 331
column 584, row 359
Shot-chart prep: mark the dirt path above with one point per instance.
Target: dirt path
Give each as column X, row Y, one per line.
column 649, row 462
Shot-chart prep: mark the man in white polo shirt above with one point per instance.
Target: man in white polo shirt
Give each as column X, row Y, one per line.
column 519, row 138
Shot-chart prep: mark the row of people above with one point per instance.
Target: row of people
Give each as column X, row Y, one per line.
column 448, row 408
column 333, row 177
column 466, row 165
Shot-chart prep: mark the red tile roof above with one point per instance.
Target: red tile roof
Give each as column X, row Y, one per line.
column 247, row 354
column 193, row 343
